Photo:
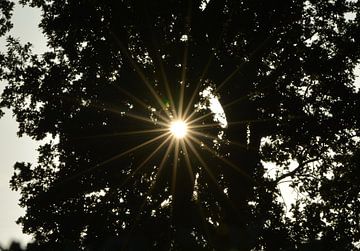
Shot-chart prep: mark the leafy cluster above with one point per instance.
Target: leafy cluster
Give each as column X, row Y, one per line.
column 6, row 7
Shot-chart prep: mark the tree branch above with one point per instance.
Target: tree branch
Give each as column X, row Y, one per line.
column 291, row 173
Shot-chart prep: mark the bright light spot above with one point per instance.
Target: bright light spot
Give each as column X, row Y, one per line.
column 184, row 38
column 178, row 128
column 166, row 202
column 350, row 16
column 203, row 4
column 357, row 77
column 215, row 106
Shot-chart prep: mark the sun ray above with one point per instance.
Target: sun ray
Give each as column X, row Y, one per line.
column 192, row 114
column 187, row 28
column 129, row 133
column 79, row 174
column 150, row 190
column 183, row 81
column 141, row 74
column 209, row 172
column 167, row 88
column 197, row 88
column 229, row 163
column 250, row 121
column 232, row 123
column 203, row 74
column 201, row 134
column 143, row 104
column 231, row 142
column 231, row 103
column 129, row 114
column 203, row 163
column 145, row 161
column 196, row 201
column 140, row 132
column 133, row 149
column 146, row 119
column 210, row 125
column 224, row 198
column 229, row 77
column 187, row 160
column 188, row 119
column 175, row 165
column 163, row 75
column 162, row 163
column 253, row 121
column 127, row 151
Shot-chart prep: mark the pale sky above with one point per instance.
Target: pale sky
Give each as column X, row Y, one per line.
column 13, row 148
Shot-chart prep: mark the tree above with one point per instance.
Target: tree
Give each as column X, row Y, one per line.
column 5, row 24
column 14, row 246
column 117, row 69
column 6, row 9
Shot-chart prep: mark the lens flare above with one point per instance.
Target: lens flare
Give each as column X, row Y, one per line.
column 178, row 129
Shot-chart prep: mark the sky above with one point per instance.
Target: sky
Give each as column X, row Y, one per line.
column 13, row 148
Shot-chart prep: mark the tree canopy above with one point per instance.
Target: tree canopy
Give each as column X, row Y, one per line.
column 117, row 73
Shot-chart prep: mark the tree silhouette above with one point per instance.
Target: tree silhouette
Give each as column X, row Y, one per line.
column 14, row 246
column 6, row 7
column 116, row 71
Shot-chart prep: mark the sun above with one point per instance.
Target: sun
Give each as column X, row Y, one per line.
column 178, row 128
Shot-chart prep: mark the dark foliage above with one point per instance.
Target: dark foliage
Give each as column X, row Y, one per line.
column 6, row 7
column 286, row 69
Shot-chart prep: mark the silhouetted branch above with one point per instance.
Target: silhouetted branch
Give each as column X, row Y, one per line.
column 293, row 172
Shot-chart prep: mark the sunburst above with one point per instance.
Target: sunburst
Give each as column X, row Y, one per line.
column 178, row 129
column 179, row 132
